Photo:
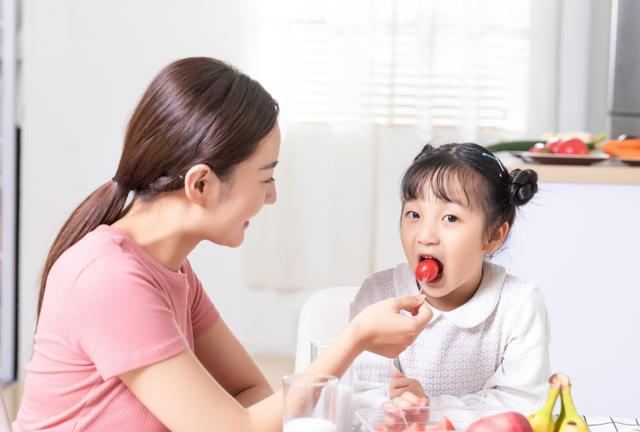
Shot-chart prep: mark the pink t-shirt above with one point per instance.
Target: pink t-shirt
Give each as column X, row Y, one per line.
column 109, row 308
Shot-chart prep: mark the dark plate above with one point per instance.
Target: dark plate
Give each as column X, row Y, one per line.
column 557, row 159
column 631, row 161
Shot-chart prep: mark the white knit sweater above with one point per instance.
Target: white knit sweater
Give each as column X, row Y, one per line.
column 493, row 350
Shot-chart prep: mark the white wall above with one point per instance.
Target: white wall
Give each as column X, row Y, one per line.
column 86, row 65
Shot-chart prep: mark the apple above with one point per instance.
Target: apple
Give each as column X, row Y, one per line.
column 504, row 422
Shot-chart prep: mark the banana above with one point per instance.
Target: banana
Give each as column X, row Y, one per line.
column 542, row 420
column 569, row 419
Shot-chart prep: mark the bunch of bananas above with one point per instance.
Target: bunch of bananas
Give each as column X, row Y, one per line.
column 569, row 420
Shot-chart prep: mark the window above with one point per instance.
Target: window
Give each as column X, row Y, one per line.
column 447, row 66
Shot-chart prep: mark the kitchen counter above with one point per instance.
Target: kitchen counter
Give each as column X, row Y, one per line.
column 603, row 174
column 607, row 172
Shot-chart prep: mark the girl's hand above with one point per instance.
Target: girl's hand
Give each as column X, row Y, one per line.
column 406, row 408
column 381, row 329
column 400, row 385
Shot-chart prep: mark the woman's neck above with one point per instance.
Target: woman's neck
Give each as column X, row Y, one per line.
column 158, row 227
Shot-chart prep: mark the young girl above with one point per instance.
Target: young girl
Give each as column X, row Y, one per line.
column 487, row 343
column 127, row 338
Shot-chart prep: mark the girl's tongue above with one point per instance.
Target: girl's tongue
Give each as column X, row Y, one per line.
column 428, row 270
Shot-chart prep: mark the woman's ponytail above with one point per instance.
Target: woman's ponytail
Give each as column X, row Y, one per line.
column 104, row 206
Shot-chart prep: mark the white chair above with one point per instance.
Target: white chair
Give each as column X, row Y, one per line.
column 5, row 423
column 323, row 316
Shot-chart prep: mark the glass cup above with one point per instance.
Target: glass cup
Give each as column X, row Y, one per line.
column 344, row 407
column 309, row 403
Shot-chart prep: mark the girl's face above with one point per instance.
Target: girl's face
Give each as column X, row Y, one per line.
column 453, row 233
column 242, row 196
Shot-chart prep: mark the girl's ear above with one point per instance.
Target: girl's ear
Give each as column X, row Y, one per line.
column 201, row 184
column 496, row 238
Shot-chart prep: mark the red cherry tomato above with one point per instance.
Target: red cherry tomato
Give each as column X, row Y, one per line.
column 428, row 270
column 573, row 146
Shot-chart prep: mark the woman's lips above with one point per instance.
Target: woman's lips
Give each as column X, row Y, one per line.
column 246, row 224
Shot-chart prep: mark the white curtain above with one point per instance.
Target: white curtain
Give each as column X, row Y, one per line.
column 363, row 85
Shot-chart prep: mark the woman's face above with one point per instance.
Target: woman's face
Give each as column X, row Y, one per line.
column 242, row 196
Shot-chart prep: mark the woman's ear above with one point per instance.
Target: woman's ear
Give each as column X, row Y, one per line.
column 496, row 238
column 201, row 184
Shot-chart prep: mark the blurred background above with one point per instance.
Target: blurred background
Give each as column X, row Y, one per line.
column 362, row 86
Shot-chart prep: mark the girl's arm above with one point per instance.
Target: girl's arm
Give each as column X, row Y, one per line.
column 182, row 394
column 230, row 365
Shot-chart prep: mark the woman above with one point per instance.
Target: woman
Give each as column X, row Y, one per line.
column 127, row 338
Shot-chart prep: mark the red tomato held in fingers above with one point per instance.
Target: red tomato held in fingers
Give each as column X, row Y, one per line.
column 428, row 270
column 573, row 146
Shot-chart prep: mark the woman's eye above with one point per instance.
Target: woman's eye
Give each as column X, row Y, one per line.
column 271, row 180
column 450, row 218
column 412, row 215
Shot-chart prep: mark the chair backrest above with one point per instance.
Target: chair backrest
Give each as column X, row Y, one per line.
column 323, row 316
column 5, row 423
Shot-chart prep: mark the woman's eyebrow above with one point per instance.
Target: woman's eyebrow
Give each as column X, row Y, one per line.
column 270, row 166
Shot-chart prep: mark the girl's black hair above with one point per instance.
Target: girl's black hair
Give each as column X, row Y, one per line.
column 481, row 180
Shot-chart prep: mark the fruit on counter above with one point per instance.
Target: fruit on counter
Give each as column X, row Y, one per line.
column 583, row 136
column 569, row 419
column 504, row 422
column 522, row 145
column 428, row 270
column 542, row 420
column 573, row 146
column 623, row 148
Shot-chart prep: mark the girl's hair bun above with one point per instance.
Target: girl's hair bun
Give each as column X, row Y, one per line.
column 523, row 186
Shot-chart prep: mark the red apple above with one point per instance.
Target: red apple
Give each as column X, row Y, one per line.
column 505, row 422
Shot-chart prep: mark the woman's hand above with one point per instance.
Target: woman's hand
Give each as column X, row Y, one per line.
column 381, row 329
column 400, row 385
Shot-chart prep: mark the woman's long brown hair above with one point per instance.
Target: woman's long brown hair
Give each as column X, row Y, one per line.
column 196, row 110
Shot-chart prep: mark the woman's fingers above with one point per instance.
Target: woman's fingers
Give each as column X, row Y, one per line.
column 407, row 303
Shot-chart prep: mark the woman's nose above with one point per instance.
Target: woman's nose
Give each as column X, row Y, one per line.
column 271, row 196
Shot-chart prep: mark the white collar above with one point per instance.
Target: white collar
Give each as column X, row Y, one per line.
column 473, row 312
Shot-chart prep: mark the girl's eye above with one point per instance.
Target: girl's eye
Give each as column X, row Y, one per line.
column 412, row 215
column 450, row 218
column 271, row 180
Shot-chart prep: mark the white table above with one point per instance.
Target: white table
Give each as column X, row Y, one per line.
column 612, row 424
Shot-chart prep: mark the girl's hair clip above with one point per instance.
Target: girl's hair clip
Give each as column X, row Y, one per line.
column 502, row 168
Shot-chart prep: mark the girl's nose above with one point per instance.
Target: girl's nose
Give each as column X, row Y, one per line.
column 428, row 236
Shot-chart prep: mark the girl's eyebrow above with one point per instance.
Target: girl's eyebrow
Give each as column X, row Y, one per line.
column 270, row 166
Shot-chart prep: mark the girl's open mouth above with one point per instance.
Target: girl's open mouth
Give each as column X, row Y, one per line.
column 429, row 269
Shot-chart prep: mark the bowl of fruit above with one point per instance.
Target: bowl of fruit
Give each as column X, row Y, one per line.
column 431, row 418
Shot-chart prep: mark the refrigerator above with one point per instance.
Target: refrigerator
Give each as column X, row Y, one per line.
column 623, row 116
